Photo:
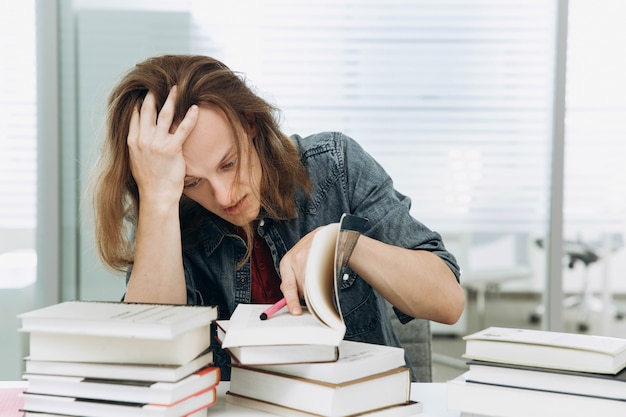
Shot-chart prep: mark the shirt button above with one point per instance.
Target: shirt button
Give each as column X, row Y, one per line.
column 261, row 222
column 262, row 266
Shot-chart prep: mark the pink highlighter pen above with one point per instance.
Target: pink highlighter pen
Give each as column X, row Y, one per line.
column 273, row 309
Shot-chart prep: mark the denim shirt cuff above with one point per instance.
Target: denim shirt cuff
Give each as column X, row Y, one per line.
column 404, row 318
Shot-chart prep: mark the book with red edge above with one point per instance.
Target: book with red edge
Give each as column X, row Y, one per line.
column 199, row 413
column 74, row 406
column 119, row 371
column 156, row 392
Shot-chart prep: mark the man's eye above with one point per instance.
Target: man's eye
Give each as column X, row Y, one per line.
column 192, row 183
column 229, row 164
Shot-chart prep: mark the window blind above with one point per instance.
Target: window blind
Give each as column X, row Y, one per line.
column 452, row 97
column 18, row 123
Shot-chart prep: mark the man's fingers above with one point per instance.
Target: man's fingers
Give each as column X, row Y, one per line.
column 147, row 117
column 133, row 128
column 289, row 289
column 187, row 124
column 293, row 304
column 166, row 115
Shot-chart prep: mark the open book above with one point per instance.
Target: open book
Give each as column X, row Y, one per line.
column 313, row 336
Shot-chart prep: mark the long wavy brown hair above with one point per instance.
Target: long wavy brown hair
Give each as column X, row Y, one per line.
column 200, row 80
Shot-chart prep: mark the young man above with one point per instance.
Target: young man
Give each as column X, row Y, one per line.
column 223, row 206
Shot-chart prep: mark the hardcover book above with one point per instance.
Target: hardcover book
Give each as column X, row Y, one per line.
column 118, row 319
column 130, row 371
column 546, row 349
column 502, row 401
column 108, row 349
column 52, row 404
column 410, row 408
column 547, row 379
column 362, row 395
column 114, row 332
column 155, row 392
column 356, row 360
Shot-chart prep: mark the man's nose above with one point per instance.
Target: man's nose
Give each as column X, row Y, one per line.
column 222, row 191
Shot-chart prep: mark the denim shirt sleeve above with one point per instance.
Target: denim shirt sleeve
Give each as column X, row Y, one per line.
column 347, row 179
column 387, row 209
column 368, row 191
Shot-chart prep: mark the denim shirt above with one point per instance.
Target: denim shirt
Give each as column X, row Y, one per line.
column 345, row 179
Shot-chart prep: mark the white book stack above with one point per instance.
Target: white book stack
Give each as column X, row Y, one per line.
column 522, row 372
column 365, row 379
column 99, row 359
column 300, row 365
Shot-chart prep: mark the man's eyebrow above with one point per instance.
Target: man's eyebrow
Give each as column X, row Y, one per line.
column 229, row 152
column 227, row 155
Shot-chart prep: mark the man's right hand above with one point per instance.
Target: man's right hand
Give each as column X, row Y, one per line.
column 155, row 146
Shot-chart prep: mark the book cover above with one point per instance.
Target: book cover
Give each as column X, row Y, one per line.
column 547, row 379
column 52, row 404
column 539, row 348
column 156, row 392
column 407, row 409
column 118, row 319
column 356, row 360
column 132, row 371
column 494, row 400
column 353, row 397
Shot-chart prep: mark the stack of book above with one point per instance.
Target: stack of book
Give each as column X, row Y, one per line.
column 523, row 372
column 290, row 365
column 100, row 359
column 299, row 365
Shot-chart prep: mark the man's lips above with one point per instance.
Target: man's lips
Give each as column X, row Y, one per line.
column 236, row 208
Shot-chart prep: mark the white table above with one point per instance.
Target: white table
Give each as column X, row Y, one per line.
column 432, row 396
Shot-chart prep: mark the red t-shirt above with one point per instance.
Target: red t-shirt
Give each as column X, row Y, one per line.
column 265, row 279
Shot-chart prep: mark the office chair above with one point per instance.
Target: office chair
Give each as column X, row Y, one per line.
column 586, row 301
